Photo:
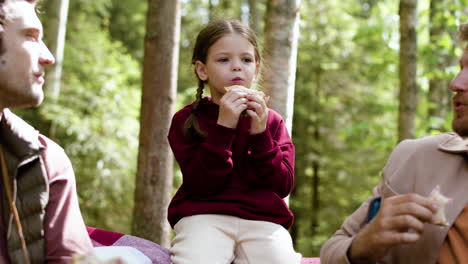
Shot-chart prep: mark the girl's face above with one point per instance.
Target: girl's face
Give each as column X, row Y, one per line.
column 230, row 61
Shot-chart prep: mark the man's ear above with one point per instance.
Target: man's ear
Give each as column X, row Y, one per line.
column 200, row 68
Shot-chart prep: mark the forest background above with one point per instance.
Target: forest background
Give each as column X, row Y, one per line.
column 346, row 99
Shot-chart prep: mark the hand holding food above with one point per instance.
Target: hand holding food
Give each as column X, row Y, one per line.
column 256, row 108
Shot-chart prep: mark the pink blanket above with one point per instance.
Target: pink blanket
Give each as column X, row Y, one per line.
column 156, row 253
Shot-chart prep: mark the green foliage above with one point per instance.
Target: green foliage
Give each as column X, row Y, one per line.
column 344, row 116
column 346, row 105
column 104, row 122
column 127, row 23
column 96, row 116
column 438, row 55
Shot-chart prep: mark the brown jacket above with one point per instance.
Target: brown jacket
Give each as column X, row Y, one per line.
column 44, row 187
column 415, row 166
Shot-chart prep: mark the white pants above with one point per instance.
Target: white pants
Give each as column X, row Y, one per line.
column 222, row 239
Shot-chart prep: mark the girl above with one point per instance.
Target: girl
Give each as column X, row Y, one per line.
column 236, row 168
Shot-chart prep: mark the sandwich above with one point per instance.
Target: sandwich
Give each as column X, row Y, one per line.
column 246, row 90
column 437, row 197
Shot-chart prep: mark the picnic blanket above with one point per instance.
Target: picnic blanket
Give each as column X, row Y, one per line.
column 156, row 253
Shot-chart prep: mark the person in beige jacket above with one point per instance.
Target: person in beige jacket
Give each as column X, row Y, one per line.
column 401, row 230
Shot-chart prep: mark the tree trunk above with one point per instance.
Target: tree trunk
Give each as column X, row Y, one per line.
column 281, row 42
column 408, row 68
column 316, row 162
column 439, row 95
column 155, row 160
column 55, row 30
column 254, row 19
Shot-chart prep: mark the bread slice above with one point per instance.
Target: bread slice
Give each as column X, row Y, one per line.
column 246, row 90
column 439, row 217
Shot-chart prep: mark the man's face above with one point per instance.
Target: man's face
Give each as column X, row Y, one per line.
column 459, row 85
column 25, row 57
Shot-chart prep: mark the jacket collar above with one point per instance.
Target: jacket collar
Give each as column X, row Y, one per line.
column 454, row 144
column 21, row 139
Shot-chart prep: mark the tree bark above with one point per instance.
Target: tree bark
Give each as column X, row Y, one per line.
column 155, row 160
column 408, row 68
column 55, row 31
column 280, row 56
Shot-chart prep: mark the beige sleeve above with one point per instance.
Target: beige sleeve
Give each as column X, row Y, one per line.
column 334, row 250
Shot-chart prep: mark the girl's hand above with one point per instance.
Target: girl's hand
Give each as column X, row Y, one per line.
column 231, row 106
column 258, row 112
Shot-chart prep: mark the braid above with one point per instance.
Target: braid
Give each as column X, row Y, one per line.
column 192, row 128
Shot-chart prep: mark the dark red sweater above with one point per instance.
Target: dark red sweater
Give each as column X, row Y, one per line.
column 232, row 172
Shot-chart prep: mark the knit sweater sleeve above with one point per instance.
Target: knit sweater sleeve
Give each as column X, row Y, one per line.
column 206, row 165
column 272, row 157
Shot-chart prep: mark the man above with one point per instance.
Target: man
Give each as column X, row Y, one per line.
column 40, row 220
column 402, row 232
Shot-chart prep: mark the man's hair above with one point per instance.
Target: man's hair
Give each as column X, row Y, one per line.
column 4, row 17
column 463, row 32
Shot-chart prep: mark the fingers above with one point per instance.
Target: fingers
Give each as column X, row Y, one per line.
column 257, row 111
column 231, row 106
column 412, row 204
column 403, row 223
column 236, row 97
column 400, row 220
column 255, row 107
column 235, row 101
column 257, row 104
column 373, row 242
column 394, row 238
column 416, row 210
column 413, row 197
column 401, row 213
column 258, row 99
column 232, row 96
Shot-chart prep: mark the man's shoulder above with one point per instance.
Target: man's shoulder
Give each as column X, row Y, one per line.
column 28, row 133
column 409, row 150
column 49, row 144
column 19, row 136
column 431, row 142
column 16, row 124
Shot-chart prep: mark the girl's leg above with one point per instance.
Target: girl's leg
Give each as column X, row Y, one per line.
column 262, row 242
column 203, row 239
